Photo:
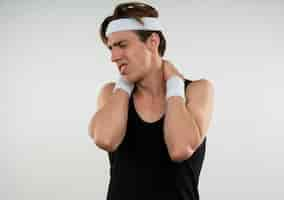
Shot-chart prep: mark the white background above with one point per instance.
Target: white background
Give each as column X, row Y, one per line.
column 52, row 65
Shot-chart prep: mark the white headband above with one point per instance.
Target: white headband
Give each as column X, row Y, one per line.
column 125, row 24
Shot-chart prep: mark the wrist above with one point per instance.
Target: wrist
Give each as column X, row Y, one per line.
column 175, row 87
column 123, row 84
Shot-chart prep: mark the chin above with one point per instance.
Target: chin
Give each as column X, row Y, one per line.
column 128, row 78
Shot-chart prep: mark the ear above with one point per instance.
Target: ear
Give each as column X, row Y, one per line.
column 153, row 42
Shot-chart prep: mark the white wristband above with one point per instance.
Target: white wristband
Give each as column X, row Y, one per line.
column 124, row 85
column 175, row 87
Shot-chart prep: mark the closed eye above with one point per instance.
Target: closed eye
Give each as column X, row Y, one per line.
column 122, row 45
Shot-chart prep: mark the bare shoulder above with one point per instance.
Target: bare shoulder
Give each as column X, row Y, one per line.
column 199, row 87
column 104, row 94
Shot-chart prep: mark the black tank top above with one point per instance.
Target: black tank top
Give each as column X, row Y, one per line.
column 140, row 168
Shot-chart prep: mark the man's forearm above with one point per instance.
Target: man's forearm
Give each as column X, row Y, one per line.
column 108, row 125
column 182, row 135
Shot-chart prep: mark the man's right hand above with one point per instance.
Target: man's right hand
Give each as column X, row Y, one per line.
column 124, row 84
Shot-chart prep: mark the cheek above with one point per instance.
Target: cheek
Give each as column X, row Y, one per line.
column 145, row 57
column 140, row 57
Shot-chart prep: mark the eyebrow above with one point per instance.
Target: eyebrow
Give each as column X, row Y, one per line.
column 116, row 43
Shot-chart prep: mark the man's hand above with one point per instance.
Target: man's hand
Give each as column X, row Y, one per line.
column 170, row 70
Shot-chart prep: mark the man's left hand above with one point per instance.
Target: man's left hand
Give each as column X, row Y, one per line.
column 170, row 70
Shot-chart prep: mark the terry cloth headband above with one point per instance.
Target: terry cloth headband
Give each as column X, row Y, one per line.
column 125, row 24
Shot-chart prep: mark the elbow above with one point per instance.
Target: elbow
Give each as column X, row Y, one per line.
column 107, row 146
column 181, row 155
column 104, row 143
column 100, row 142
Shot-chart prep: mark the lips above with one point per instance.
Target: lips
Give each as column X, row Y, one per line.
column 122, row 68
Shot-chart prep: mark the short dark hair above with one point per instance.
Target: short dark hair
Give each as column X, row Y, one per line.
column 134, row 10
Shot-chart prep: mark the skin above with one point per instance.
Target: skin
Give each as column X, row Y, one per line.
column 186, row 124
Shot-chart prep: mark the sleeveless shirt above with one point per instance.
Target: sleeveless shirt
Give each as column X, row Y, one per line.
column 141, row 168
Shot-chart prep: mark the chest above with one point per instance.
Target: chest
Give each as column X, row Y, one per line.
column 149, row 110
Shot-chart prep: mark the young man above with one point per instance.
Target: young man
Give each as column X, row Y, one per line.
column 152, row 121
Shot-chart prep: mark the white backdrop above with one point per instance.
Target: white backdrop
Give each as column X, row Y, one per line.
column 53, row 64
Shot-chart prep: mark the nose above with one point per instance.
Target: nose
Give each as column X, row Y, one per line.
column 116, row 54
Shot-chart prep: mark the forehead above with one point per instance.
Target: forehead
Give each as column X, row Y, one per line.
column 121, row 35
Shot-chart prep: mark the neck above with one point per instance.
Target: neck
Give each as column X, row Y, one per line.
column 153, row 85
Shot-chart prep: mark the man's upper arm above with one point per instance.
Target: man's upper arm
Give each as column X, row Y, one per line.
column 104, row 94
column 200, row 95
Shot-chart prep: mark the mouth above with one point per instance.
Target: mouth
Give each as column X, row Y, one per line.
column 122, row 68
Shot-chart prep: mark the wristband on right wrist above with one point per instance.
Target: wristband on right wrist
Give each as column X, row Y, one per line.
column 124, row 85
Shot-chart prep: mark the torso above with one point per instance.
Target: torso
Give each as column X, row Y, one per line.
column 139, row 171
column 147, row 110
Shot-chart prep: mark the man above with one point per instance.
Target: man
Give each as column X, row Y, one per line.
column 152, row 121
